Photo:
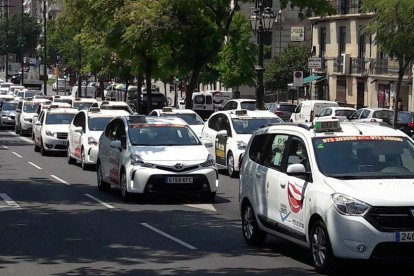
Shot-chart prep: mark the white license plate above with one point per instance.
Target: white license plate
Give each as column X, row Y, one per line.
column 180, row 179
column 404, row 236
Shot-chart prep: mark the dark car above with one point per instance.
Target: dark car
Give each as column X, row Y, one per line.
column 405, row 122
column 16, row 78
column 283, row 110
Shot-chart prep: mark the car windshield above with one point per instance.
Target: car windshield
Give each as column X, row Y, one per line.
column 162, row 135
column 9, row 106
column 99, row 123
column 191, row 119
column 30, row 107
column 359, row 157
column 248, row 105
column 29, row 94
column 60, row 100
column 116, row 107
column 82, row 105
column 250, row 125
column 59, row 118
column 344, row 112
column 404, row 117
column 382, row 114
column 20, row 94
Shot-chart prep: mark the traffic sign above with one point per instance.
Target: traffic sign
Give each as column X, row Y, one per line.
column 315, row 63
column 298, row 78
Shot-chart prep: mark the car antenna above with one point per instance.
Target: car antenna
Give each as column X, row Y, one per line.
column 360, row 132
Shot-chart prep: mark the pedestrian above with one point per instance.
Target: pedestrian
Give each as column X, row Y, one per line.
column 400, row 106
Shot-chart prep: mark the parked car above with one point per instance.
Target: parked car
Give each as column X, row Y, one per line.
column 247, row 104
column 374, row 115
column 306, row 110
column 283, row 110
column 405, row 122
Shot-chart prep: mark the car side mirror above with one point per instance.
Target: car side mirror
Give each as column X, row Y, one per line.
column 208, row 144
column 116, row 144
column 223, row 133
column 18, row 110
column 78, row 129
column 297, row 170
column 317, row 116
column 38, row 123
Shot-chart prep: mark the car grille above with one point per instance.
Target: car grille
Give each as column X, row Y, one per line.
column 173, row 169
column 62, row 135
column 61, row 147
column 393, row 251
column 390, row 219
column 157, row 183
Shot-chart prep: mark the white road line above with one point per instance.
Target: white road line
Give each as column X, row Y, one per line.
column 60, row 179
column 189, row 246
column 9, row 201
column 20, row 137
column 18, row 155
column 100, row 201
column 4, row 147
column 34, row 165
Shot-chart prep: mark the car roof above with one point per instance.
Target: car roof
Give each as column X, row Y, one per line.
column 105, row 113
column 249, row 113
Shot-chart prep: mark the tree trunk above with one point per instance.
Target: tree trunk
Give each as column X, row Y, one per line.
column 148, row 74
column 191, row 86
column 126, row 91
column 402, row 67
column 139, row 93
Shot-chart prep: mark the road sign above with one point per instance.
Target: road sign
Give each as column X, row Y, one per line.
column 298, row 78
column 314, row 63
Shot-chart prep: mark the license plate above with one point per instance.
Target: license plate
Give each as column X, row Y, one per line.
column 404, row 236
column 180, row 179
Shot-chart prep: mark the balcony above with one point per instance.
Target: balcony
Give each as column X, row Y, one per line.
column 386, row 67
column 338, row 65
column 347, row 6
column 358, row 66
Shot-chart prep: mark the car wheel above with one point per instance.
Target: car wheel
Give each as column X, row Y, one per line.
column 43, row 151
column 208, row 196
column 252, row 234
column 71, row 160
column 36, row 148
column 230, row 165
column 322, row 256
column 102, row 185
column 84, row 166
column 126, row 196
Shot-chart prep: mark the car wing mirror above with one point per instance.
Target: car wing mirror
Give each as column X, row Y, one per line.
column 298, row 170
column 116, row 144
column 78, row 129
column 222, row 133
column 208, row 144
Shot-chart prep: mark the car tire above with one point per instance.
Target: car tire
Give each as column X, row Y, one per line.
column 126, row 196
column 208, row 197
column 43, row 151
column 230, row 165
column 322, row 256
column 252, row 234
column 102, row 185
column 69, row 158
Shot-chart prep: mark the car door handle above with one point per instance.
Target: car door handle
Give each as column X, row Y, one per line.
column 258, row 175
column 282, row 185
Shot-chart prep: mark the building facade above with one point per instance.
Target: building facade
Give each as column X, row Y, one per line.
column 357, row 73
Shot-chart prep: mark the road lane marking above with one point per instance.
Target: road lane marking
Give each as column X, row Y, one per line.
column 20, row 137
column 18, row 155
column 9, row 201
column 207, row 207
column 34, row 165
column 100, row 201
column 189, row 246
column 4, row 147
column 60, row 179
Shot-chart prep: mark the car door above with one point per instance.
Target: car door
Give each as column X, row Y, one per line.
column 38, row 128
column 105, row 150
column 115, row 154
column 18, row 113
column 366, row 115
column 291, row 192
column 222, row 142
column 208, row 135
column 75, row 137
column 296, row 115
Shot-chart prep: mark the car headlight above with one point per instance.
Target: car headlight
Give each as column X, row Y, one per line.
column 241, row 145
column 347, row 205
column 209, row 162
column 50, row 133
column 92, row 141
column 136, row 160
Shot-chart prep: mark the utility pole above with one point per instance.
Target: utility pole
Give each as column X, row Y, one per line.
column 45, row 49
column 22, row 44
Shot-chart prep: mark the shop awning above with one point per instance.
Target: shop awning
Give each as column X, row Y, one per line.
column 308, row 80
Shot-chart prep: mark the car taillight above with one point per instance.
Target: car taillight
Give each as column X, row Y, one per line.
column 411, row 125
column 279, row 113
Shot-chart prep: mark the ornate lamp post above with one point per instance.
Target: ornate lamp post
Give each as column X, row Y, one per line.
column 261, row 19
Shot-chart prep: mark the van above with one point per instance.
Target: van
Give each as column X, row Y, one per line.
column 306, row 110
column 90, row 92
column 206, row 103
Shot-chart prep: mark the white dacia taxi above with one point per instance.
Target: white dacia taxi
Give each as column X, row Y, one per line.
column 84, row 132
column 230, row 131
column 344, row 190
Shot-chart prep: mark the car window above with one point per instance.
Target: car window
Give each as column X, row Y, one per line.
column 191, row 119
column 250, row 125
column 343, row 112
column 199, row 99
column 30, row 107
column 273, row 154
column 328, row 112
column 356, row 114
column 365, row 114
column 213, row 122
column 383, row 114
column 59, row 118
column 256, row 150
column 98, row 123
column 209, row 99
column 227, row 106
column 297, row 154
column 322, row 113
column 248, row 105
column 7, row 106
column 404, row 117
column 299, row 108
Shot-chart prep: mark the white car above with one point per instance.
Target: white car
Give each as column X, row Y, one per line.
column 248, row 104
column 188, row 115
column 62, row 99
column 340, row 113
column 26, row 110
column 230, row 131
column 373, row 115
column 51, row 130
column 142, row 154
column 113, row 105
column 26, row 94
column 344, row 190
column 84, row 133
column 83, row 103
column 61, row 85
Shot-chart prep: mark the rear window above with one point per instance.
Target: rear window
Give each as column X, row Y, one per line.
column 344, row 113
column 199, row 99
column 288, row 108
column 404, row 117
column 383, row 114
column 248, row 105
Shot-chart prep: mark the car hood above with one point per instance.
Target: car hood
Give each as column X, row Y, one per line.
column 376, row 192
column 177, row 154
column 57, row 128
column 197, row 129
column 9, row 112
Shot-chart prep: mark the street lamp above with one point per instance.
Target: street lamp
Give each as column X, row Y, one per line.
column 261, row 20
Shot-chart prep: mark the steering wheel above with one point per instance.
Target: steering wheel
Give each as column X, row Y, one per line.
column 394, row 169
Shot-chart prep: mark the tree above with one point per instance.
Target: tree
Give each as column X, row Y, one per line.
column 393, row 30
column 279, row 73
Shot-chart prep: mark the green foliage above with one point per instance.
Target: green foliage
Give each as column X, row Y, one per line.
column 280, row 72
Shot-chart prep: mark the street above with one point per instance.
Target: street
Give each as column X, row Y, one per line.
column 55, row 221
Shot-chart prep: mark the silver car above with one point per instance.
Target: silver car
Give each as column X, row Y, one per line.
column 8, row 113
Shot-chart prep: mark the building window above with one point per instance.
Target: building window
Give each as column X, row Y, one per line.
column 342, row 40
column 341, row 89
column 322, row 42
column 267, row 43
column 361, row 45
column 344, row 7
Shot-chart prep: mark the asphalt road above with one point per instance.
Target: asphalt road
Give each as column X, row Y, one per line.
column 55, row 221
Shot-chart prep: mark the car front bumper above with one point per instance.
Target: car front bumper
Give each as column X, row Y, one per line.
column 7, row 121
column 54, row 144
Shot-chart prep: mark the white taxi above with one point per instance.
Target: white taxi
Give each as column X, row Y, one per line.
column 142, row 154
column 25, row 112
column 84, row 133
column 230, row 131
column 345, row 190
column 83, row 103
column 51, row 129
column 113, row 105
column 188, row 115
column 62, row 99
